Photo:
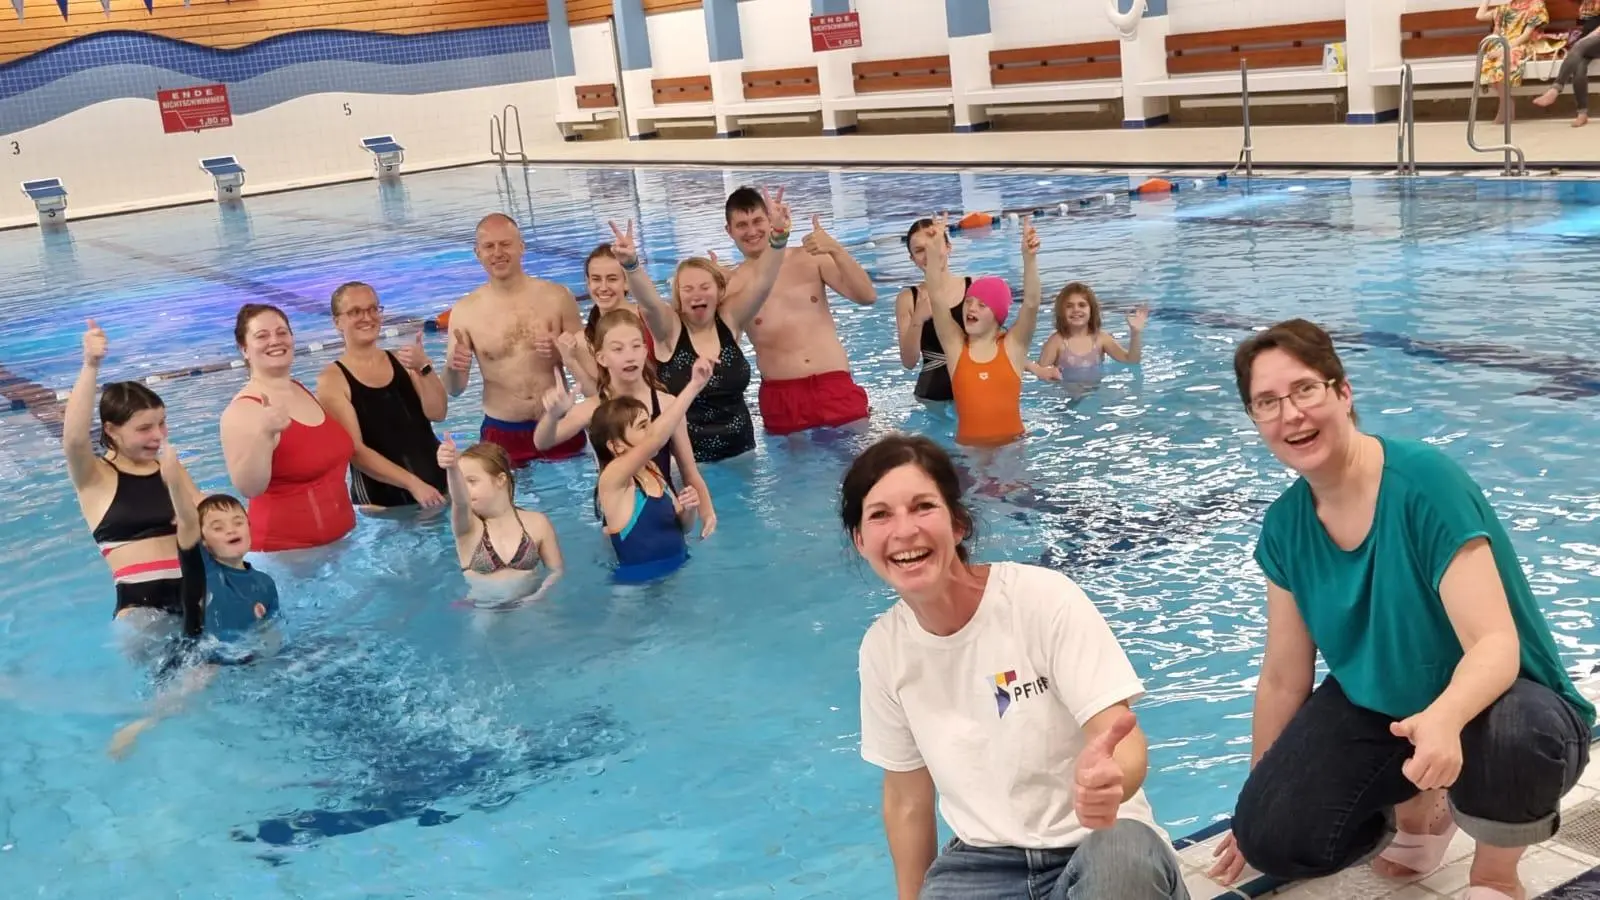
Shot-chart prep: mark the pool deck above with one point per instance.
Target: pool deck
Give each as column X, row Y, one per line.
column 1548, row 143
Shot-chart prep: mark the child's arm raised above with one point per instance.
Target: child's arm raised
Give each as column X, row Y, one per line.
column 561, row 419
column 952, row 335
column 620, row 471
column 460, row 503
column 1020, row 337
column 1137, row 320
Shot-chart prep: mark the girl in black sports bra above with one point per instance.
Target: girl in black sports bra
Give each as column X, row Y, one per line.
column 124, row 497
column 933, row 380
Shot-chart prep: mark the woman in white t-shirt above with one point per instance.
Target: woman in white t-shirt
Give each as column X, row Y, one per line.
column 1001, row 686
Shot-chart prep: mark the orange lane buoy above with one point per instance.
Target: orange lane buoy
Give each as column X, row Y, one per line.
column 1155, row 186
column 975, row 220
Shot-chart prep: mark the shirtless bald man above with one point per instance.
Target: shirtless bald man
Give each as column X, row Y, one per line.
column 805, row 374
column 510, row 324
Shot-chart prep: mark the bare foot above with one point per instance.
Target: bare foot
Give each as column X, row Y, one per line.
column 1496, row 867
column 1547, row 98
column 1427, row 813
column 1581, row 120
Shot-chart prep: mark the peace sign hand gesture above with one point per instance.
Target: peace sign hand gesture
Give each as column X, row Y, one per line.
column 777, row 212
column 623, row 246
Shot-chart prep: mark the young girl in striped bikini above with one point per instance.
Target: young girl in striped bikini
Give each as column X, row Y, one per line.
column 985, row 359
column 1078, row 345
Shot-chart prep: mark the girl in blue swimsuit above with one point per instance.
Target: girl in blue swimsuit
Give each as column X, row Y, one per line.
column 642, row 517
column 500, row 546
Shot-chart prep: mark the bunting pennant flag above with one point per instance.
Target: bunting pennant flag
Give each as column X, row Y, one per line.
column 18, row 5
column 150, row 6
column 105, row 6
column 63, row 5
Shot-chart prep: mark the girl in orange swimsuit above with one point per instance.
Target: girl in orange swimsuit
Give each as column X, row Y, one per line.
column 284, row 453
column 500, row 546
column 986, row 360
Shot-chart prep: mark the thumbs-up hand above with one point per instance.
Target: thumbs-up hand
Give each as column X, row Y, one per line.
column 447, row 457
column 700, row 373
column 412, row 355
column 819, row 242
column 94, row 344
column 274, row 419
column 1098, row 782
column 461, row 355
column 557, row 401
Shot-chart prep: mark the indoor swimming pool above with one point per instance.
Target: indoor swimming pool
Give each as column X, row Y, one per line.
column 698, row 737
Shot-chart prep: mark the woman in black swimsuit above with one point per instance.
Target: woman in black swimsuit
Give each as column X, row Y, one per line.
column 125, row 500
column 699, row 322
column 913, row 319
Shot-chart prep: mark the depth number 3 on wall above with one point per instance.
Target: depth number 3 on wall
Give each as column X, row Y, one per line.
column 16, row 148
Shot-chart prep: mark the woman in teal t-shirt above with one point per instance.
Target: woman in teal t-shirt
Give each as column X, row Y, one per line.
column 1445, row 704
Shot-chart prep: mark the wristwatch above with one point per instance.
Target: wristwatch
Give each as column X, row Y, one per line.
column 426, row 370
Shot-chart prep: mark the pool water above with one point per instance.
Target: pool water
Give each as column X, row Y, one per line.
column 699, row 737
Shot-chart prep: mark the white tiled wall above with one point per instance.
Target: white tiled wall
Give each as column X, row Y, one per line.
column 678, row 44
column 594, row 53
column 776, row 34
column 1188, row 16
column 896, row 29
column 1412, row 6
column 1030, row 23
column 303, row 141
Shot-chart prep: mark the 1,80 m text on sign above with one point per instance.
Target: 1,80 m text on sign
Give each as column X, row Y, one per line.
column 835, row 32
column 195, row 108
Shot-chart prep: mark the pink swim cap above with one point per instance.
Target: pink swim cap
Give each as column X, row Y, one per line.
column 993, row 292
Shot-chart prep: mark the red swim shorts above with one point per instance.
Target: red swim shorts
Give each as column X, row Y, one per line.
column 816, row 401
column 516, row 438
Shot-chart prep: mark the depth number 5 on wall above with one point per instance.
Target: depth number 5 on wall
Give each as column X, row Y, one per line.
column 347, row 109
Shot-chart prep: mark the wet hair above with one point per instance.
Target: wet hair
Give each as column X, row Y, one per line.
column 495, row 462
column 744, row 199
column 241, row 322
column 704, row 265
column 601, row 252
column 120, row 401
column 343, row 289
column 891, row 453
column 611, row 422
column 920, row 225
column 219, row 503
column 1087, row 293
column 623, row 318
column 1301, row 339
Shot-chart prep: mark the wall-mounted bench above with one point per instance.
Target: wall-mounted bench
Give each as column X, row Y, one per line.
column 1282, row 58
column 1061, row 73
column 1442, row 45
column 916, row 83
column 597, row 103
column 772, row 96
column 49, row 197
column 387, row 155
column 678, row 102
column 226, row 174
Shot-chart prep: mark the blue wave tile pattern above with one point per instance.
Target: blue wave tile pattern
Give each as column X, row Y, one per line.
column 115, row 65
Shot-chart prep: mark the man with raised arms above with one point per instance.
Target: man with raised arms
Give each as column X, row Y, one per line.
column 805, row 374
column 509, row 325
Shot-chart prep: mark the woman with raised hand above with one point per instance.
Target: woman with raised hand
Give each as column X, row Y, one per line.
column 700, row 324
column 286, row 455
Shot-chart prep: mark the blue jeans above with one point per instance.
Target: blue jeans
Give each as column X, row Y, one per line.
column 1128, row 861
column 1322, row 797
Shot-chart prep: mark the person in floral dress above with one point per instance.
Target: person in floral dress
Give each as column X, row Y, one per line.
column 1521, row 21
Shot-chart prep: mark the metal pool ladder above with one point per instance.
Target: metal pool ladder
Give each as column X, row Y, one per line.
column 1508, row 148
column 1405, row 153
column 1248, row 151
column 497, row 134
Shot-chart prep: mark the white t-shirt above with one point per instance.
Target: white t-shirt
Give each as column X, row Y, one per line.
column 995, row 710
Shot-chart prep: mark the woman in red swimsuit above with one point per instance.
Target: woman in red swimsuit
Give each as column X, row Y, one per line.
column 285, row 454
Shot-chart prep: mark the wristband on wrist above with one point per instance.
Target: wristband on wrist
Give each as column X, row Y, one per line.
column 777, row 240
column 628, row 268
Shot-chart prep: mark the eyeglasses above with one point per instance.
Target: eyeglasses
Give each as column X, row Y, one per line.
column 1306, row 395
column 356, row 312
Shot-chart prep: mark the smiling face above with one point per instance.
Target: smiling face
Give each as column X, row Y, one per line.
column 1307, row 423
column 268, row 344
column 697, row 294
column 359, row 317
column 977, row 318
column 499, row 247
column 750, row 229
column 608, row 285
column 226, row 533
column 140, row 438
column 908, row 533
column 1075, row 312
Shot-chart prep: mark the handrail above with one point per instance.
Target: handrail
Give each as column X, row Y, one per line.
column 505, row 120
column 1248, row 151
column 1405, row 154
column 1472, row 107
column 497, row 130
